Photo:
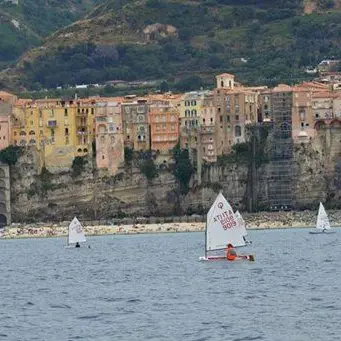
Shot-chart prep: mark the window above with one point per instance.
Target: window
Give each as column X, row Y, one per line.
column 22, row 133
column 194, row 113
column 101, row 140
column 237, row 117
column 31, row 123
column 51, row 113
column 211, row 120
column 65, row 112
column 85, row 150
column 22, row 143
column 66, row 133
column 203, row 120
column 92, row 111
column 103, row 157
column 32, row 141
column 40, row 132
column 32, row 132
column 67, row 140
column 194, row 103
column 15, row 133
column 52, row 132
column 228, row 118
column 237, row 131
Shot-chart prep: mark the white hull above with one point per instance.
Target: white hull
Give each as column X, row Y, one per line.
column 318, row 231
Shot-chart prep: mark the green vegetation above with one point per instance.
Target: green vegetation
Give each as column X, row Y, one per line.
column 128, row 155
column 262, row 42
column 78, row 165
column 183, row 169
column 36, row 19
column 10, row 155
column 148, row 168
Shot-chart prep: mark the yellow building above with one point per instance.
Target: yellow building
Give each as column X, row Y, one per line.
column 60, row 130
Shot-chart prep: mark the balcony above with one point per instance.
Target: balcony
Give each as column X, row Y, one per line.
column 51, row 124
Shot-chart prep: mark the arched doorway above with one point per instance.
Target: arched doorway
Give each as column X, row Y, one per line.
column 3, row 220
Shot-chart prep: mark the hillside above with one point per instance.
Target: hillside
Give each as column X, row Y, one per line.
column 263, row 41
column 24, row 24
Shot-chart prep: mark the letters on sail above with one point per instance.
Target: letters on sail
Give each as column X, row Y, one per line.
column 222, row 226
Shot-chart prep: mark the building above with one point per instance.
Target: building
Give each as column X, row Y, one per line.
column 109, row 136
column 235, row 109
column 303, row 121
column 164, row 129
column 59, row 129
column 135, row 123
column 207, row 131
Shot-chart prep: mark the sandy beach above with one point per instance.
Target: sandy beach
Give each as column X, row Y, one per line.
column 261, row 220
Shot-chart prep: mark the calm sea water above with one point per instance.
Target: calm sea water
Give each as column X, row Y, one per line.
column 152, row 287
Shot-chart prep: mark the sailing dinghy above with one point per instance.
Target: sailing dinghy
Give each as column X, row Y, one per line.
column 222, row 228
column 76, row 233
column 322, row 224
column 242, row 225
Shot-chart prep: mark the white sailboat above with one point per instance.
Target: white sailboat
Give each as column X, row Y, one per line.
column 76, row 233
column 322, row 224
column 221, row 228
column 242, row 225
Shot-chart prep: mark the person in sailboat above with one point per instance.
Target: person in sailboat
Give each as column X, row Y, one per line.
column 231, row 253
column 78, row 245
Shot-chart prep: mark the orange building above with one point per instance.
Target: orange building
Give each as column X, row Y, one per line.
column 164, row 127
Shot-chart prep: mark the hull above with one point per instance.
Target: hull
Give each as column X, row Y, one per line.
column 215, row 258
column 322, row 232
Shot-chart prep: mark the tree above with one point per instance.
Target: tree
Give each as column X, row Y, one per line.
column 183, row 169
column 189, row 83
column 164, row 86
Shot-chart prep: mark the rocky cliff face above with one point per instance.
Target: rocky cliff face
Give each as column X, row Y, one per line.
column 95, row 195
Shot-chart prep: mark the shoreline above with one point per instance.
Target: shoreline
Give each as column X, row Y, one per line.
column 254, row 221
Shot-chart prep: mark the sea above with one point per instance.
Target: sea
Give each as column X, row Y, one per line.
column 153, row 287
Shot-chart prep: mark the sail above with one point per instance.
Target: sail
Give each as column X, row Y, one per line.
column 222, row 226
column 322, row 219
column 76, row 233
column 241, row 222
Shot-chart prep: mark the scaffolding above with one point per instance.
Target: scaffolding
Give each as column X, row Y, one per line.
column 280, row 183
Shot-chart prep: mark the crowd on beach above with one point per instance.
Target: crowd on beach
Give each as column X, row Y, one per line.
column 260, row 220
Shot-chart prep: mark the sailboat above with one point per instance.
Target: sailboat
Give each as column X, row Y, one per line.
column 242, row 225
column 222, row 228
column 322, row 224
column 76, row 234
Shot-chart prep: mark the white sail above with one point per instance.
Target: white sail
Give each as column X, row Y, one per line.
column 241, row 222
column 76, row 233
column 222, row 226
column 322, row 219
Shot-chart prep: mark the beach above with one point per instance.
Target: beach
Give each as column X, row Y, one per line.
column 260, row 220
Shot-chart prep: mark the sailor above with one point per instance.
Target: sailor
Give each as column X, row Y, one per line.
column 231, row 253
column 77, row 244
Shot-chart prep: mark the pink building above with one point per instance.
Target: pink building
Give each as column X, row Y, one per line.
column 109, row 136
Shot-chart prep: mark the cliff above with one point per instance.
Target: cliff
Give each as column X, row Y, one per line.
column 95, row 195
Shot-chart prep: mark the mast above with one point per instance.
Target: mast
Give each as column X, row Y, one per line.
column 206, row 239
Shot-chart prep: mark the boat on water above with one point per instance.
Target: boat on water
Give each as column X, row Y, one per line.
column 322, row 223
column 242, row 225
column 76, row 233
column 222, row 227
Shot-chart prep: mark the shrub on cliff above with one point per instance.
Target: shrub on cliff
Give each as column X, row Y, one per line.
column 78, row 165
column 183, row 169
column 10, row 155
column 148, row 168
